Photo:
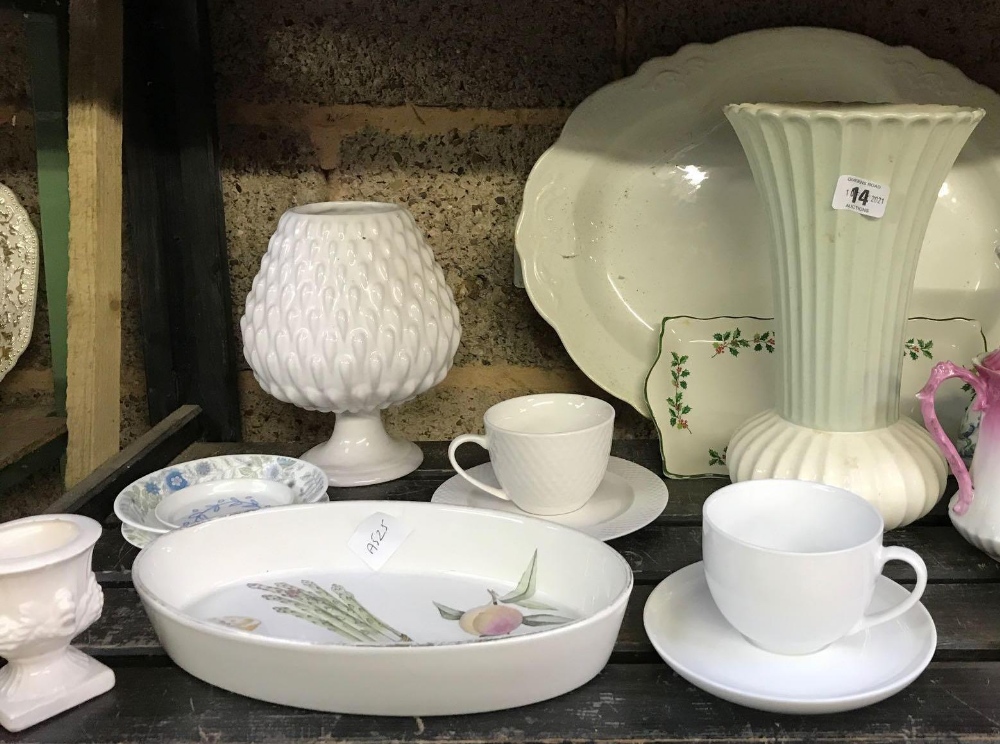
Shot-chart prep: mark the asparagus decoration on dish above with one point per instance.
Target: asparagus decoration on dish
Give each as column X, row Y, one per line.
column 337, row 610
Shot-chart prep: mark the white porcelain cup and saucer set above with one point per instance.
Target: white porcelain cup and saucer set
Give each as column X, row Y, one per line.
column 789, row 611
column 550, row 457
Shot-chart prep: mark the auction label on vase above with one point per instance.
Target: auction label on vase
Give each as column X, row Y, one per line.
column 377, row 538
column 861, row 196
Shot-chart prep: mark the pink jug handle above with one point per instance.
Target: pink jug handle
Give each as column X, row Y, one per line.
column 941, row 372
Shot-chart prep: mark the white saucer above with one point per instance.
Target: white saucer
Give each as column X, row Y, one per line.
column 691, row 635
column 629, row 498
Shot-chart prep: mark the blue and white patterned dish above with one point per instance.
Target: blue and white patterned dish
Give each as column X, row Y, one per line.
column 136, row 505
column 222, row 498
column 222, row 508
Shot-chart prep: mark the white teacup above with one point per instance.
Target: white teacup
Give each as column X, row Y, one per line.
column 792, row 565
column 549, row 452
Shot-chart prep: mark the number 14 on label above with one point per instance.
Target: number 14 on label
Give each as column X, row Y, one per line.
column 864, row 196
column 859, row 195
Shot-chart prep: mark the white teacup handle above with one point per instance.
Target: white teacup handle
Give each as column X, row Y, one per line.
column 481, row 441
column 907, row 556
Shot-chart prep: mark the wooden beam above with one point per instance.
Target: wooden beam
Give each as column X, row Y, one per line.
column 95, row 206
column 963, row 613
column 637, row 703
column 46, row 33
column 177, row 234
column 49, row 7
column 94, row 496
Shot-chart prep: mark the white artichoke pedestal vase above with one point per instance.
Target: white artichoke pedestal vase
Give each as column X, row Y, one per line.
column 842, row 282
column 350, row 313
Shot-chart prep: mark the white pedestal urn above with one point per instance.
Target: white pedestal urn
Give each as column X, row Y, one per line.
column 350, row 313
column 48, row 596
column 844, row 253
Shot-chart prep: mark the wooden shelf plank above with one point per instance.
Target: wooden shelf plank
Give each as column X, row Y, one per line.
column 47, row 46
column 636, row 697
column 964, row 614
column 26, row 429
column 177, row 231
column 94, row 495
column 658, row 550
column 95, row 236
column 30, row 439
column 625, row 702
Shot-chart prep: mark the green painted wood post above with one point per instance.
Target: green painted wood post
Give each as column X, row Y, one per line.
column 47, row 45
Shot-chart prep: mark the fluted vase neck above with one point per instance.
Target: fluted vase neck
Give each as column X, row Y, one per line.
column 842, row 111
column 842, row 280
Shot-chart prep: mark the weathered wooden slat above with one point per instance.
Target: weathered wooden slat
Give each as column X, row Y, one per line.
column 641, row 451
column 47, row 34
column 658, row 550
column 113, row 557
column 626, row 702
column 95, row 494
column 25, row 429
column 686, row 496
column 123, row 628
column 143, row 104
column 176, row 221
column 50, row 7
column 965, row 615
column 44, row 455
column 30, row 439
column 95, row 236
column 198, row 450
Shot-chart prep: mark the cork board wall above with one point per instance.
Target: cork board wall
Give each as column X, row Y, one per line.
column 443, row 107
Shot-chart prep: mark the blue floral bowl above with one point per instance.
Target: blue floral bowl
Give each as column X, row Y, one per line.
column 136, row 505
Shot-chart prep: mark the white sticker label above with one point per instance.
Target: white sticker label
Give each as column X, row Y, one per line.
column 377, row 538
column 861, row 196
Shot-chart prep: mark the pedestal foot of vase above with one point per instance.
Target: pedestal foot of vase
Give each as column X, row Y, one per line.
column 360, row 452
column 33, row 690
column 897, row 468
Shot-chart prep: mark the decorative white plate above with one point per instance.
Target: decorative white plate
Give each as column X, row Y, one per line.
column 18, row 279
column 691, row 635
column 136, row 504
column 629, row 498
column 645, row 207
column 473, row 611
column 712, row 374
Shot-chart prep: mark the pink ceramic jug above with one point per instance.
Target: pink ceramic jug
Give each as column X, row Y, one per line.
column 975, row 509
